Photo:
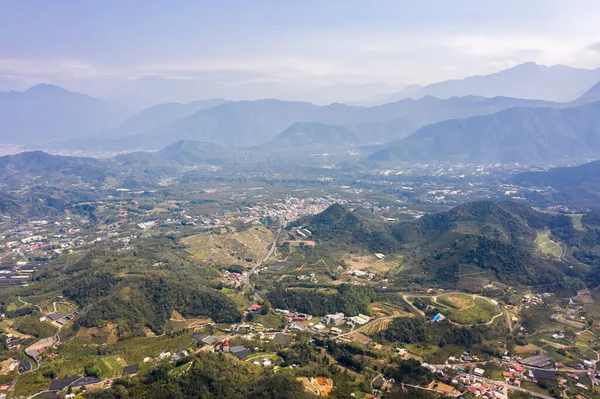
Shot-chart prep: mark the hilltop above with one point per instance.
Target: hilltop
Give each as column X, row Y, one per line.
column 497, row 237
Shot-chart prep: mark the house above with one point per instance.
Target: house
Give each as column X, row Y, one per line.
column 54, row 316
column 539, row 361
column 47, row 395
column 379, row 383
column 360, row 319
column 131, row 370
column 205, row 339
column 438, row 317
column 336, row 318
column 87, row 382
column 479, row 372
column 240, row 351
column 254, row 308
column 544, row 374
column 24, row 366
column 335, row 330
column 61, row 383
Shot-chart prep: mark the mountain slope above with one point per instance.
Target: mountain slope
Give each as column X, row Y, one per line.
column 314, row 135
column 163, row 114
column 40, row 166
column 514, row 135
column 529, row 80
column 576, row 187
column 46, row 112
column 590, row 96
column 351, row 228
column 498, row 237
column 186, row 152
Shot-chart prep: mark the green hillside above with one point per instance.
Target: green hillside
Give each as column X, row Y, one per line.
column 486, row 236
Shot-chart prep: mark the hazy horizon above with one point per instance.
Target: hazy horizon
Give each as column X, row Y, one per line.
column 311, row 51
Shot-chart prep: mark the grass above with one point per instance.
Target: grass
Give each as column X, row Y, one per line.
column 240, row 300
column 546, row 245
column 65, row 308
column 176, row 372
column 456, row 301
column 576, row 217
column 269, row 320
column 479, row 312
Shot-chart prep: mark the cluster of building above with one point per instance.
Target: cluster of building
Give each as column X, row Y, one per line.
column 233, row 279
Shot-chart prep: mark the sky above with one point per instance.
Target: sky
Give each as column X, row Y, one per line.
column 320, row 50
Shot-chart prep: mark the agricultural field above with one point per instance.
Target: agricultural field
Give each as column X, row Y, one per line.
column 249, row 246
column 547, row 246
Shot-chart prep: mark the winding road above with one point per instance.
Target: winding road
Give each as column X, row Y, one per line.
column 259, row 264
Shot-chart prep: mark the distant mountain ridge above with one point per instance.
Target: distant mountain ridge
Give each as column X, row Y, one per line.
column 248, row 123
column 163, row 114
column 46, row 112
column 529, row 80
column 513, row 135
column 314, row 135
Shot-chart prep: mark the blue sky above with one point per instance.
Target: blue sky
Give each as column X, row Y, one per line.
column 185, row 50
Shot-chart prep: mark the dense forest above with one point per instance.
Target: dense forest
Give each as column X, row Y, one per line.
column 415, row 330
column 211, row 376
column 125, row 288
column 348, row 299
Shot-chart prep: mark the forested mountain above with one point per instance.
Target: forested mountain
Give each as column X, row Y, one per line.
column 513, row 135
column 46, row 112
column 40, row 166
column 498, row 237
column 313, row 135
column 529, row 80
column 142, row 298
column 187, row 152
column 211, row 375
column 576, row 187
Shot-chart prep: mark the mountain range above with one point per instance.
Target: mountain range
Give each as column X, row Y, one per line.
column 249, row 123
column 46, row 112
column 470, row 128
column 552, row 83
column 521, row 134
column 163, row 114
